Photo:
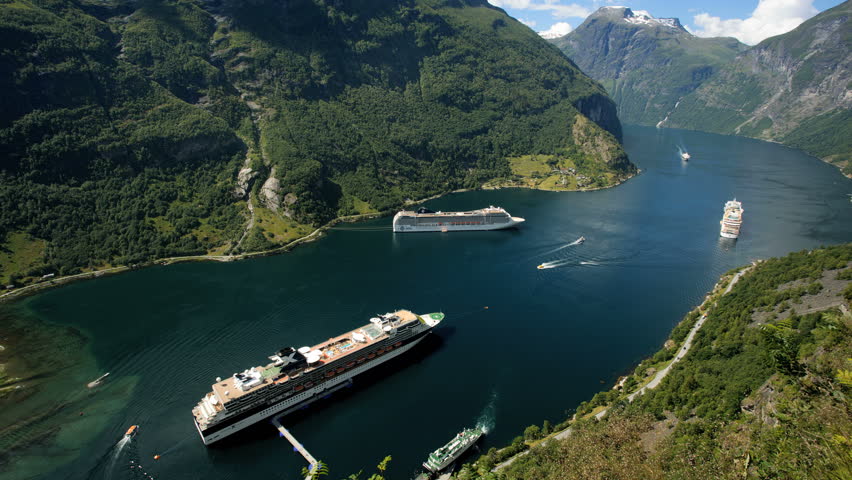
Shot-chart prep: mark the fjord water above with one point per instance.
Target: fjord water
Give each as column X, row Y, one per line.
column 518, row 343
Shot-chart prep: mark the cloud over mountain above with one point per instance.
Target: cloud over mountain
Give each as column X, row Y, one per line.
column 770, row 18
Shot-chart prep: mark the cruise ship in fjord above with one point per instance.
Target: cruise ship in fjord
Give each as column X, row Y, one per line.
column 425, row 220
column 295, row 378
column 732, row 219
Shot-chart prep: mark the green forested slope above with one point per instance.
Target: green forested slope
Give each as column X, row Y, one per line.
column 792, row 88
column 763, row 392
column 646, row 64
column 133, row 130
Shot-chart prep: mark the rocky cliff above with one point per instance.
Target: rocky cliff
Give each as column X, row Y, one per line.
column 793, row 88
column 647, row 64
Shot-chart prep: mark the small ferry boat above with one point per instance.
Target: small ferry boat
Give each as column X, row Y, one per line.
column 94, row 383
column 685, row 156
column 131, row 431
column 444, row 456
column 732, row 219
column 425, row 220
column 580, row 240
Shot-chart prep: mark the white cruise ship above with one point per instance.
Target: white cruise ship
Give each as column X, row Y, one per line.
column 297, row 377
column 425, row 220
column 732, row 219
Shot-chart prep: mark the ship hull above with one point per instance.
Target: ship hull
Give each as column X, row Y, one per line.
column 514, row 221
column 304, row 398
column 729, row 235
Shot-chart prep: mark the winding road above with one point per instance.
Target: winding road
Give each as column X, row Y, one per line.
column 684, row 349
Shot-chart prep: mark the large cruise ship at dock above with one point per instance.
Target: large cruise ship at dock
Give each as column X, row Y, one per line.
column 296, row 377
column 425, row 220
column 732, row 219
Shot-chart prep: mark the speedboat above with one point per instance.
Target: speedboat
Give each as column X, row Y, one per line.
column 581, row 240
column 131, row 431
column 541, row 267
column 685, row 156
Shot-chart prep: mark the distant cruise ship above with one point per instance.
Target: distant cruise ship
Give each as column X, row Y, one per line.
column 425, row 220
column 732, row 219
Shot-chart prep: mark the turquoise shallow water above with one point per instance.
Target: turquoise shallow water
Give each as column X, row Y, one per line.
column 548, row 340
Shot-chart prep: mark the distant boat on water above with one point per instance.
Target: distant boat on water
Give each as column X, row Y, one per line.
column 685, row 156
column 97, row 381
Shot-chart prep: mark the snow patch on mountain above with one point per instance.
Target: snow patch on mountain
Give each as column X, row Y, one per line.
column 643, row 17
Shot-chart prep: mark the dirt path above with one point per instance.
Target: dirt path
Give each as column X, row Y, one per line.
column 249, row 226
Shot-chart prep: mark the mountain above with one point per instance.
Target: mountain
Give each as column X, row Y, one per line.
column 763, row 391
column 139, row 130
column 793, row 88
column 647, row 64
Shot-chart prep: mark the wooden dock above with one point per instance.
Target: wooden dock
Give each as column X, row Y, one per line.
column 296, row 445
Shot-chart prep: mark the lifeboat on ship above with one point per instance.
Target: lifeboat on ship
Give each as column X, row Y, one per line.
column 299, row 388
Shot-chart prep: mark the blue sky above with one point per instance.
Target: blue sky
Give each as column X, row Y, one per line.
column 748, row 20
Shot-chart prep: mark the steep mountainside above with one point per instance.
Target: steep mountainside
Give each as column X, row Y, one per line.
column 136, row 130
column 763, row 392
column 647, row 64
column 793, row 88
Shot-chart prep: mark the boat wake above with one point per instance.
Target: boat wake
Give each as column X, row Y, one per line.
column 554, row 264
column 572, row 244
column 590, row 263
column 487, row 418
column 116, row 452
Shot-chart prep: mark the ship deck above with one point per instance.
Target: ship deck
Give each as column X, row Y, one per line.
column 333, row 349
column 471, row 213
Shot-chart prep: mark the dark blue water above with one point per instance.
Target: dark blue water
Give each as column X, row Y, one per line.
column 547, row 340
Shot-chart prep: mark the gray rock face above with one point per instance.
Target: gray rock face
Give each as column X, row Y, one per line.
column 646, row 64
column 244, row 179
column 270, row 192
column 792, row 88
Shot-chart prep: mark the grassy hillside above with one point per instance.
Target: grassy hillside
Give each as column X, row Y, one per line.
column 136, row 130
column 763, row 392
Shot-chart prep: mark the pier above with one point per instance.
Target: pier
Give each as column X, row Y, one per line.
column 298, row 446
column 313, row 463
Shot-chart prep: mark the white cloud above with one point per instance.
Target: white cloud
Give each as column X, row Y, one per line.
column 555, row 8
column 529, row 23
column 557, row 30
column 770, row 18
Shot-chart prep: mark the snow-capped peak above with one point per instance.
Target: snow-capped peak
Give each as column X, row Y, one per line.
column 643, row 17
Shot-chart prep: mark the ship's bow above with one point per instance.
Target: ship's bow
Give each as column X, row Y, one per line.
column 432, row 319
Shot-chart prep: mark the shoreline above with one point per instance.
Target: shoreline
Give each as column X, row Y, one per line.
column 616, row 184
column 721, row 288
column 316, row 234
